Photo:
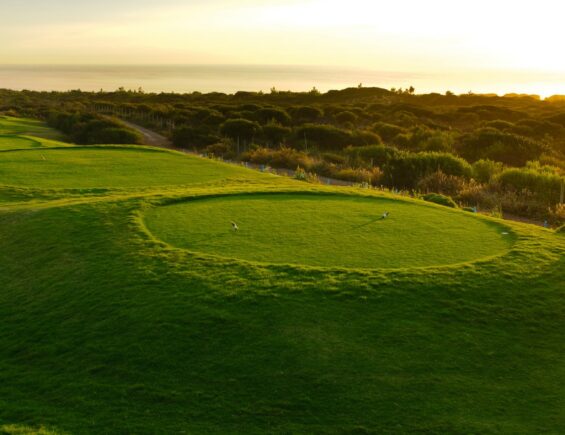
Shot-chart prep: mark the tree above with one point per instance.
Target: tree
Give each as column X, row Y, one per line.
column 240, row 129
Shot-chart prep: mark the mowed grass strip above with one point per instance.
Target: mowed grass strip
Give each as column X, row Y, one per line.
column 112, row 167
column 328, row 230
column 13, row 142
column 29, row 127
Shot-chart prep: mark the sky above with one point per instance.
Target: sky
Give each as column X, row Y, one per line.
column 521, row 37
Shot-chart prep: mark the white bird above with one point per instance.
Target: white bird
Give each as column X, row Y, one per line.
column 234, row 226
column 385, row 214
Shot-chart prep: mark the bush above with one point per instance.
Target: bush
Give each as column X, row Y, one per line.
column 441, row 183
column 490, row 143
column 437, row 198
column 275, row 133
column 193, row 137
column 371, row 155
column 304, row 114
column 220, row 149
column 406, row 170
column 485, row 170
column 239, row 129
column 346, row 117
column 267, row 115
column 546, row 186
column 286, row 158
column 557, row 215
column 387, row 131
column 89, row 128
column 326, row 137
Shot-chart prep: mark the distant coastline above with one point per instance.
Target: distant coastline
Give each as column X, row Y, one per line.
column 233, row 78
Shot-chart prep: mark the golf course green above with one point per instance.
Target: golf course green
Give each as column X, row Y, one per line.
column 328, row 230
column 141, row 310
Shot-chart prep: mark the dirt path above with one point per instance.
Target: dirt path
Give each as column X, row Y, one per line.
column 150, row 137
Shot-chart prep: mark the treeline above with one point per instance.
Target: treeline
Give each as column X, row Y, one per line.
column 91, row 128
column 484, row 151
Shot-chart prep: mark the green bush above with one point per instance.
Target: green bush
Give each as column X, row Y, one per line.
column 485, row 170
column 240, row 129
column 378, row 155
column 545, row 185
column 193, row 137
column 440, row 199
column 406, row 170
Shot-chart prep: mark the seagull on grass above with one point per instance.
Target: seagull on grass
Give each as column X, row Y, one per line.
column 234, row 226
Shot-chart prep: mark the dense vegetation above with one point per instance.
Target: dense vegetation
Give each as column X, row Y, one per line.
column 494, row 153
column 122, row 312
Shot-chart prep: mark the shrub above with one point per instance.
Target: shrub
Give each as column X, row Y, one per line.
column 440, row 199
column 304, row 114
column 286, row 158
column 269, row 114
column 220, row 149
column 557, row 215
column 406, row 170
column 239, row 129
column 490, row 143
column 346, row 117
column 326, row 137
column 441, row 183
column 275, row 133
column 485, row 170
column 371, row 155
column 193, row 137
column 546, row 186
column 387, row 131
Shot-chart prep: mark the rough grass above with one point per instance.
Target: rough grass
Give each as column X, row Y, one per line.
column 322, row 230
column 105, row 329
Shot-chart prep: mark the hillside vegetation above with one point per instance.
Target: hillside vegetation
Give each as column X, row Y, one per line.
column 128, row 303
column 502, row 155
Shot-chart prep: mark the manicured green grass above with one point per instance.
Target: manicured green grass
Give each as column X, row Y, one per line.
column 13, row 142
column 112, row 167
column 322, row 230
column 29, row 127
column 104, row 328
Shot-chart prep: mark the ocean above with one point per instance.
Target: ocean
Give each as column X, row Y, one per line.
column 233, row 78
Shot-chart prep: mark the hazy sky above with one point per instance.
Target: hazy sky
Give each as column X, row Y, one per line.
column 392, row 35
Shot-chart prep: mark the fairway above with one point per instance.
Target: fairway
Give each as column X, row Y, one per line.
column 31, row 127
column 9, row 142
column 111, row 167
column 327, row 230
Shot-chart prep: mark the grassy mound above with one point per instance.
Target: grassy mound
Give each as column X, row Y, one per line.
column 111, row 167
column 323, row 230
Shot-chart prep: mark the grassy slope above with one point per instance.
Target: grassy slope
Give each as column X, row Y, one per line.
column 107, row 330
column 328, row 231
column 111, row 167
column 30, row 127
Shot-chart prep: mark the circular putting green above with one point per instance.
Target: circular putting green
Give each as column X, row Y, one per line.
column 328, row 230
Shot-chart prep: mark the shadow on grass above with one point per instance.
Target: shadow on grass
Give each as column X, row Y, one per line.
column 367, row 223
